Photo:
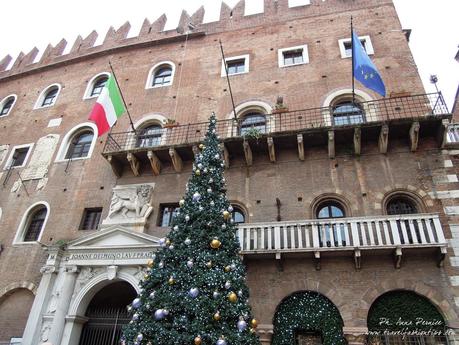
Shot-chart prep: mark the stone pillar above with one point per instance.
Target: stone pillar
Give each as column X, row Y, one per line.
column 72, row 330
column 33, row 327
column 356, row 335
column 265, row 332
column 57, row 328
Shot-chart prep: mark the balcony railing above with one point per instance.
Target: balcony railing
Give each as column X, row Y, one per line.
column 383, row 110
column 383, row 232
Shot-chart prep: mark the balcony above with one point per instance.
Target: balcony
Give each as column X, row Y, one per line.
column 407, row 117
column 345, row 236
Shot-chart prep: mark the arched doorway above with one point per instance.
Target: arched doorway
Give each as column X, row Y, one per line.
column 403, row 317
column 107, row 314
column 307, row 318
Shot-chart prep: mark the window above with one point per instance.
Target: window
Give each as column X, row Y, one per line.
column 238, row 216
column 330, row 209
column 35, row 224
column 160, row 75
column 168, row 212
column 91, row 218
column 347, row 113
column 7, row 104
column 98, row 86
column 236, row 65
column 345, row 46
column 149, row 136
column 401, row 205
column 334, row 232
column 80, row 145
column 252, row 121
column 50, row 97
column 18, row 156
column 293, row 56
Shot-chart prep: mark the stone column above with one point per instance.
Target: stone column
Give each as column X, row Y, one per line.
column 72, row 331
column 356, row 335
column 57, row 328
column 265, row 332
column 33, row 327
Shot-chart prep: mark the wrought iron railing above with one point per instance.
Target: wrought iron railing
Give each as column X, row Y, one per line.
column 383, row 110
column 416, row 230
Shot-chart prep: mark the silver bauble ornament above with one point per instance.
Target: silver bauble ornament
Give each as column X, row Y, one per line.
column 239, row 293
column 221, row 342
column 227, row 285
column 187, row 241
column 189, row 263
column 159, row 314
column 136, row 303
column 162, row 242
column 139, row 337
column 209, row 190
column 135, row 317
column 215, row 294
column 199, row 166
column 161, row 264
column 241, row 325
column 187, row 218
column 165, row 312
column 176, row 227
column 152, row 295
column 230, row 208
column 194, row 292
column 196, row 196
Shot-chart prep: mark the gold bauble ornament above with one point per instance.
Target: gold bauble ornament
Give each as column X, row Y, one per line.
column 254, row 323
column 198, row 172
column 232, row 297
column 168, row 242
column 145, row 276
column 226, row 215
column 202, row 146
column 227, row 268
column 197, row 340
column 182, row 202
column 215, row 243
column 150, row 263
column 209, row 264
column 217, row 316
column 171, row 281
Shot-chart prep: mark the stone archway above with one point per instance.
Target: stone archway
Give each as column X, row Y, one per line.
column 107, row 314
column 308, row 317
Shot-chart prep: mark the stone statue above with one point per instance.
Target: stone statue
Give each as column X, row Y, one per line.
column 137, row 203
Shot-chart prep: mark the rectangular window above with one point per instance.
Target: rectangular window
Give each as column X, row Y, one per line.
column 18, row 156
column 168, row 212
column 345, row 46
column 293, row 56
column 235, row 65
column 91, row 218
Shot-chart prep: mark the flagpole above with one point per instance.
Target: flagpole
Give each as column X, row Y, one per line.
column 227, row 79
column 122, row 97
column 352, row 56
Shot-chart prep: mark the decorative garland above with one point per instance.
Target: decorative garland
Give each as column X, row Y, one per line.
column 404, row 311
column 307, row 311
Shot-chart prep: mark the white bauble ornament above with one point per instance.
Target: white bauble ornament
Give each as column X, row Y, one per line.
column 215, row 294
column 176, row 227
column 189, row 263
column 230, row 208
column 152, row 295
column 159, row 314
column 187, row 241
column 187, row 218
column 139, row 337
column 227, row 285
column 200, row 166
column 196, row 196
column 136, row 303
column 162, row 242
column 182, row 202
column 209, row 190
column 161, row 264
column 241, row 325
column 221, row 342
column 135, row 317
column 193, row 293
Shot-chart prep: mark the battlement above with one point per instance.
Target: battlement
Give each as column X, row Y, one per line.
column 153, row 33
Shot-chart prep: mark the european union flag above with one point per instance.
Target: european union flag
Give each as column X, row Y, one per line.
column 364, row 70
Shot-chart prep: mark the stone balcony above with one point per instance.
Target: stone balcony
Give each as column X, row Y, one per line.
column 409, row 117
column 353, row 237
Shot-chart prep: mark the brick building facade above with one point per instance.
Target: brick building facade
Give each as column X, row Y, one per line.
column 348, row 202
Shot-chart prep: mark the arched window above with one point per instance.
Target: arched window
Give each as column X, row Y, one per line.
column 50, row 97
column 331, row 233
column 161, row 74
column 149, row 136
column 252, row 122
column 401, row 205
column 35, row 224
column 347, row 112
column 80, row 145
column 237, row 215
column 98, row 85
column 6, row 105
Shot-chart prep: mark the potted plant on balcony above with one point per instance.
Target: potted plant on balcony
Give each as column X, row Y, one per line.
column 280, row 107
column 252, row 133
column 170, row 123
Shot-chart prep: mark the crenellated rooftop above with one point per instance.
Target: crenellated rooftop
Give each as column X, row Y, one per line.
column 153, row 33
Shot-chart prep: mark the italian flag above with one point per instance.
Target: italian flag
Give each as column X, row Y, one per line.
column 108, row 108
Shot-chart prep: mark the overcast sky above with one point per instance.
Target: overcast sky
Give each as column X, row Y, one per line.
column 28, row 23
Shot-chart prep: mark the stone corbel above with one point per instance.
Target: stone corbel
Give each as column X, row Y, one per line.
column 398, row 257
column 442, row 256
column 357, row 140
column 134, row 162
column 299, row 139
column 271, row 149
column 331, row 144
column 414, row 135
column 226, row 156
column 154, row 162
column 112, row 272
column 443, row 133
column 176, row 160
column 383, row 138
column 279, row 262
column 317, row 260
column 247, row 153
column 117, row 168
column 357, row 258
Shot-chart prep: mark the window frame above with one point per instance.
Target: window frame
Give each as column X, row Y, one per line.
column 251, row 125
column 281, row 57
column 41, row 98
column 91, row 83
column 67, row 140
column 86, row 210
column 162, row 206
column 72, row 144
column 368, row 46
column 4, row 101
column 144, row 136
column 154, row 69
column 347, row 115
column 25, row 220
column 245, row 57
column 241, row 211
column 10, row 156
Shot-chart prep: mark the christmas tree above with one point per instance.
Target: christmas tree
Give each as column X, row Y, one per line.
column 194, row 291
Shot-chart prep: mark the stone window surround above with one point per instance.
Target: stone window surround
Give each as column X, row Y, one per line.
column 411, row 196
column 304, row 50
column 6, row 99
column 18, row 238
column 65, row 144
column 368, row 46
column 38, row 103
column 10, row 157
column 154, row 69
column 90, row 86
column 245, row 57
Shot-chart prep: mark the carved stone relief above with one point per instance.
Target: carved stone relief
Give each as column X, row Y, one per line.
column 41, row 158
